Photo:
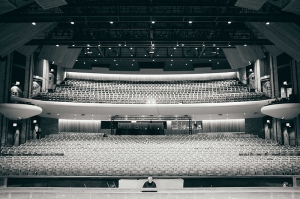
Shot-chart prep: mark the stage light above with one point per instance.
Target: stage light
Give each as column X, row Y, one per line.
column 34, row 121
column 190, row 22
column 153, row 22
column 111, row 22
column 267, row 23
column 72, row 22
column 33, row 23
column 57, row 45
column 15, row 124
column 229, row 22
column 245, row 44
column 268, row 121
column 285, row 83
column 17, row 83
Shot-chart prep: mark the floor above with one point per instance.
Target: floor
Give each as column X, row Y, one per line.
column 186, row 193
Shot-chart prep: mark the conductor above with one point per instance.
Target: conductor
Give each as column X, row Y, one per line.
column 149, row 183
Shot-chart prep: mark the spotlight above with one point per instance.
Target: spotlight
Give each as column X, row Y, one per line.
column 57, row 45
column 15, row 124
column 267, row 23
column 153, row 22
column 190, row 22
column 229, row 22
column 111, row 22
column 72, row 22
column 33, row 23
column 34, row 121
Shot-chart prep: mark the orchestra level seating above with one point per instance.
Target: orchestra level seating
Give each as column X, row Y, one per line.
column 205, row 154
column 158, row 92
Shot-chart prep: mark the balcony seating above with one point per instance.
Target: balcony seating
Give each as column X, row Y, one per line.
column 168, row 92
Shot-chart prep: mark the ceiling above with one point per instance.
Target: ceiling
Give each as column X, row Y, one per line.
column 148, row 30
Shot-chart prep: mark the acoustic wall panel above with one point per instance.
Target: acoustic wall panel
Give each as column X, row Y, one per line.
column 273, row 50
column 53, row 53
column 14, row 35
column 7, row 6
column 293, row 6
column 253, row 4
column 284, row 35
column 250, row 52
column 233, row 58
column 27, row 50
column 46, row 4
column 69, row 58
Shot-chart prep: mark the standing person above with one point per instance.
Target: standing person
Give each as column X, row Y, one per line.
column 150, row 183
column 38, row 134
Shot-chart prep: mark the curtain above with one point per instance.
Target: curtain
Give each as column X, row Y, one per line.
column 83, row 126
column 224, row 125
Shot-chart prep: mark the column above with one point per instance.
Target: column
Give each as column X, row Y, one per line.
column 5, row 80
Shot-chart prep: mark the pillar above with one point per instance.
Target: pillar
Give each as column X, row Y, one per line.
column 5, row 81
column 296, row 91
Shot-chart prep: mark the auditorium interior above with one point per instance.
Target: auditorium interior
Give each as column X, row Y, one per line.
column 202, row 95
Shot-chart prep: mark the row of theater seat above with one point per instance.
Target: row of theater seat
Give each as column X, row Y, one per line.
column 89, row 91
column 207, row 154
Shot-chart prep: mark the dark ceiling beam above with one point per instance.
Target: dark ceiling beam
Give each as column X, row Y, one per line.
column 155, row 3
column 159, row 18
column 114, row 42
column 160, row 58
